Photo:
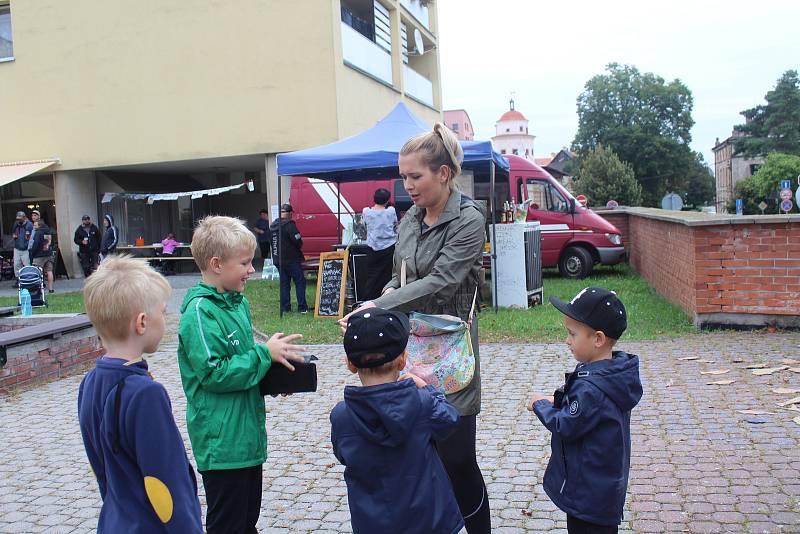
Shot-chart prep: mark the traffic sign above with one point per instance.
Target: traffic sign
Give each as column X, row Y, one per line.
column 582, row 199
column 786, row 205
column 797, row 196
column 613, row 204
column 786, row 194
column 739, row 206
column 762, row 206
column 787, row 184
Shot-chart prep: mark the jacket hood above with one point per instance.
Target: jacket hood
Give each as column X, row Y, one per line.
column 110, row 219
column 618, row 378
column 229, row 299
column 452, row 209
column 384, row 414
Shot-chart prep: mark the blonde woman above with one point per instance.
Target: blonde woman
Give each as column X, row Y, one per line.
column 441, row 239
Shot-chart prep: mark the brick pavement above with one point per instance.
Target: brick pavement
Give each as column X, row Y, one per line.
column 698, row 465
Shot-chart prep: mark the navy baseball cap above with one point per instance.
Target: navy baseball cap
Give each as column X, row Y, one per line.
column 598, row 308
column 375, row 331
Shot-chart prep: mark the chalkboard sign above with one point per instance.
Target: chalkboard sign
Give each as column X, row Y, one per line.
column 331, row 283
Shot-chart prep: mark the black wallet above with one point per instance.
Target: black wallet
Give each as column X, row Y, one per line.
column 280, row 380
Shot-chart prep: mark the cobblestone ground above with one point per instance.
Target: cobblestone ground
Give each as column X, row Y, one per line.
column 698, row 464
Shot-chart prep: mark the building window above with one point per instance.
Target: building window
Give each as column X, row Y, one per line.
column 515, row 152
column 6, row 41
column 526, row 152
column 753, row 168
column 508, row 130
column 455, row 126
column 503, row 151
column 521, row 129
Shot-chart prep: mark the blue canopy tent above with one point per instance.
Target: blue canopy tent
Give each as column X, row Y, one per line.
column 372, row 155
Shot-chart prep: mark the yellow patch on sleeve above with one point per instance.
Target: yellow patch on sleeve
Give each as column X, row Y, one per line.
column 160, row 498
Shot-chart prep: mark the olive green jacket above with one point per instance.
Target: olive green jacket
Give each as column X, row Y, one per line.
column 443, row 269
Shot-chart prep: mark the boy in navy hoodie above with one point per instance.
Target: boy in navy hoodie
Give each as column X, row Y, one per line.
column 133, row 445
column 383, row 434
column 590, row 416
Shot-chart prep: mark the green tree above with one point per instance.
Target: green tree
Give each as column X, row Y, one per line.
column 700, row 184
column 774, row 127
column 603, row 177
column 645, row 121
column 765, row 183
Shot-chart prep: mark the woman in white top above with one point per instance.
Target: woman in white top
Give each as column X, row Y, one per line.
column 381, row 222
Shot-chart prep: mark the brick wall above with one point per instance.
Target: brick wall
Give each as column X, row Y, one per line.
column 44, row 360
column 719, row 269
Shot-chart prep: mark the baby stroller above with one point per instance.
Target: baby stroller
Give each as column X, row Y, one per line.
column 32, row 279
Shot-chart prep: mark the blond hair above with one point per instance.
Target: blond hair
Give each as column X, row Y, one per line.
column 120, row 289
column 221, row 237
column 438, row 147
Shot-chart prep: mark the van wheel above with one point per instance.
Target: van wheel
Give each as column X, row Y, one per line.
column 576, row 262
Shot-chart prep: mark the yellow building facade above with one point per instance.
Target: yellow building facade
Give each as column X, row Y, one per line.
column 165, row 95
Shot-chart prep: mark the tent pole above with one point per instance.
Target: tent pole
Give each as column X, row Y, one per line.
column 339, row 209
column 494, row 233
column 280, row 179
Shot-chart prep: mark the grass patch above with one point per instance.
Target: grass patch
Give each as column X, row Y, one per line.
column 649, row 314
column 56, row 303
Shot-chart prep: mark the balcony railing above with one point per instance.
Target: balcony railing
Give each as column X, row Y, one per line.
column 418, row 86
column 365, row 55
column 419, row 11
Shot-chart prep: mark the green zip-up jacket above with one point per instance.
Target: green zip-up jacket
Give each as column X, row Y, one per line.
column 221, row 366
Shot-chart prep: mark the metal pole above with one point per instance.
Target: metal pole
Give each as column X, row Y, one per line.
column 280, row 179
column 339, row 209
column 494, row 233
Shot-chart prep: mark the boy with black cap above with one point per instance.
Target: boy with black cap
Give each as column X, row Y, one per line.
column 590, row 415
column 383, row 434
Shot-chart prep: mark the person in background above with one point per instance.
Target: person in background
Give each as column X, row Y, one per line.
column 168, row 246
column 87, row 237
column 40, row 252
column 22, row 235
column 110, row 237
column 290, row 261
column 263, row 235
column 381, row 222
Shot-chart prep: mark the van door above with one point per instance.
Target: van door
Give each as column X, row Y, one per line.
column 551, row 209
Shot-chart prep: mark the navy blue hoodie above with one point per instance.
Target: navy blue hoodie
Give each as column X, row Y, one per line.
column 136, row 452
column 396, row 483
column 587, row 476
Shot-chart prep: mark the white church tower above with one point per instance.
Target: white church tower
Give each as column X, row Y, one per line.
column 511, row 134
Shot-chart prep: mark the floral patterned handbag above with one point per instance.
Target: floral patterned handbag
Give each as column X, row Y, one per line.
column 440, row 349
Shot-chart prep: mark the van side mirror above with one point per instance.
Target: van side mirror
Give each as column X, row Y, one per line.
column 571, row 205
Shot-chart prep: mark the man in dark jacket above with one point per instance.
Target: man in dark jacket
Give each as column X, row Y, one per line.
column 110, row 237
column 87, row 237
column 590, row 417
column 40, row 251
column 383, row 434
column 290, row 259
column 22, row 234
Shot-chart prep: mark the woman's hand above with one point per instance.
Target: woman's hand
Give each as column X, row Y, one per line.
column 282, row 349
column 365, row 306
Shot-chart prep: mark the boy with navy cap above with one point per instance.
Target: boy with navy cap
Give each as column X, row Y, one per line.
column 590, row 415
column 383, row 434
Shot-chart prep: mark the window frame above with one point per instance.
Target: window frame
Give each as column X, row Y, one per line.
column 5, row 6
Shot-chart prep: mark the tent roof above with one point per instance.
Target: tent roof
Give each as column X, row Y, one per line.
column 372, row 154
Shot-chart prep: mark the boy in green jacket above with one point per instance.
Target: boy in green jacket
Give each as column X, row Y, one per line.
column 221, row 367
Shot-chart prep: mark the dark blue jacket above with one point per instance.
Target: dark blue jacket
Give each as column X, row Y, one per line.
column 396, row 483
column 37, row 248
column 21, row 233
column 591, row 446
column 110, row 237
column 136, row 452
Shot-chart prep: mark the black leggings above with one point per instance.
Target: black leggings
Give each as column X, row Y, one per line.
column 458, row 456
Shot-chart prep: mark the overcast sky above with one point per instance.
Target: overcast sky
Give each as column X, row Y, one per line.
column 729, row 54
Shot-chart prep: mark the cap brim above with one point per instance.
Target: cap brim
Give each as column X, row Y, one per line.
column 563, row 307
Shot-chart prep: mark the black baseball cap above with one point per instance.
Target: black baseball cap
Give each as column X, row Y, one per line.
column 598, row 308
column 375, row 331
column 287, row 208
